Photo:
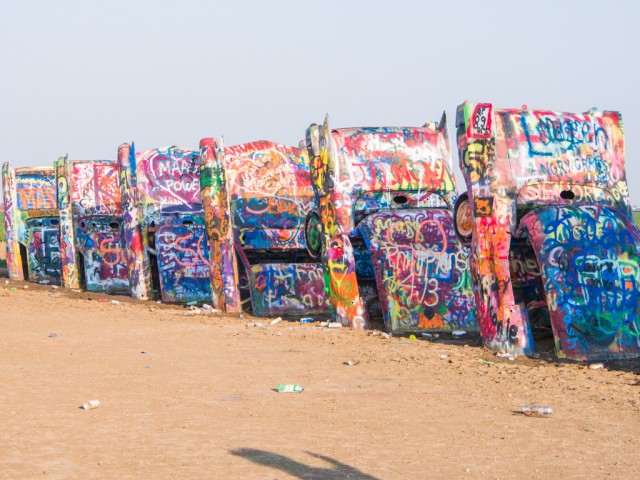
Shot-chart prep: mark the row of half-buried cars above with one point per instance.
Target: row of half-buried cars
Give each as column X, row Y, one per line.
column 362, row 223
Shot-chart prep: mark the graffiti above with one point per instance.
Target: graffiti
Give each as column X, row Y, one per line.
column 35, row 191
column 183, row 263
column 223, row 267
column 557, row 244
column 591, row 272
column 287, row 288
column 482, row 206
column 385, row 205
column 480, row 127
column 256, row 198
column 31, row 222
column 160, row 191
column 91, row 226
column 170, row 176
column 424, row 277
column 96, row 188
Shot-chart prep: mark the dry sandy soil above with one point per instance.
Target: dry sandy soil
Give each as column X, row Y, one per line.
column 193, row 397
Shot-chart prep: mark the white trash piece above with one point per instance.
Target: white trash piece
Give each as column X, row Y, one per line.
column 91, row 404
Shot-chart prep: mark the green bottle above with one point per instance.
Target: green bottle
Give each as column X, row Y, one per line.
column 290, row 388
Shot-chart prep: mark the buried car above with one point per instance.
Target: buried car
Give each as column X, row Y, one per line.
column 91, row 225
column 384, row 227
column 163, row 224
column 553, row 242
column 256, row 198
column 31, row 223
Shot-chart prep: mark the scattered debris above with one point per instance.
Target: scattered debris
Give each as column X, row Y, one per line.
column 334, row 325
column 54, row 295
column 443, row 357
column 537, row 410
column 53, row 335
column 351, row 362
column 43, row 282
column 596, row 366
column 307, row 320
column 458, row 333
column 275, row 321
column 412, row 337
column 486, row 362
column 191, row 304
column 55, row 287
column 255, row 324
column 25, row 286
column 288, row 388
column 510, row 356
column 430, row 336
column 90, row 405
column 115, row 302
column 102, row 300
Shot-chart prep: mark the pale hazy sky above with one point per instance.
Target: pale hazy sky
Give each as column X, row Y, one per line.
column 81, row 77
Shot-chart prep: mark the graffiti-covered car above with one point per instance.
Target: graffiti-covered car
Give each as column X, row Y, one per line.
column 91, row 252
column 384, row 228
column 553, row 241
column 31, row 223
column 163, row 224
column 257, row 196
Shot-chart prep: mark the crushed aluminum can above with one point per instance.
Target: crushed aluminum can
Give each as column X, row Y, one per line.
column 458, row 333
column 596, row 366
column 289, row 388
column 537, row 410
column 307, row 320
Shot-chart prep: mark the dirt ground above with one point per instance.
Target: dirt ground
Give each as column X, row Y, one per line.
column 193, row 397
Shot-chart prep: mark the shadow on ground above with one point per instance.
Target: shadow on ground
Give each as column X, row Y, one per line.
column 337, row 470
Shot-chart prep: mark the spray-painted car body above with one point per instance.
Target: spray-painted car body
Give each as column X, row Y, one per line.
column 163, row 224
column 385, row 212
column 31, row 223
column 552, row 230
column 91, row 225
column 257, row 196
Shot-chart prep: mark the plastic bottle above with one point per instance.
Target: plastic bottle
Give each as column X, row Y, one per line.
column 284, row 388
column 91, row 404
column 538, row 410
